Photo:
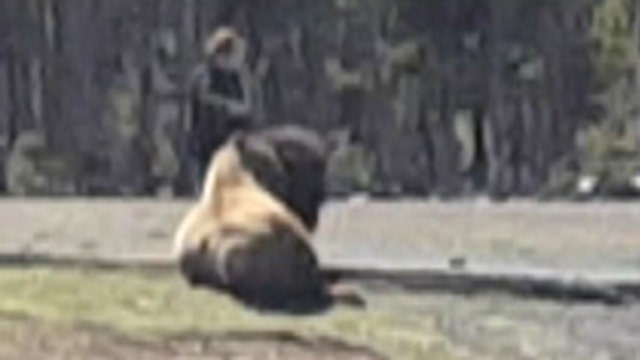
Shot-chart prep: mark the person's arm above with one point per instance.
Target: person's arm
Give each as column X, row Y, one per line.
column 243, row 105
column 214, row 99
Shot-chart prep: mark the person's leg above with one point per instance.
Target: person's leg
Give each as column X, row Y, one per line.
column 196, row 175
column 196, row 159
column 205, row 141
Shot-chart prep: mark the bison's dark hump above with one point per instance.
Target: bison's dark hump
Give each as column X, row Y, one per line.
column 289, row 161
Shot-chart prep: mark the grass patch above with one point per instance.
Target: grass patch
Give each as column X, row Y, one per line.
column 143, row 306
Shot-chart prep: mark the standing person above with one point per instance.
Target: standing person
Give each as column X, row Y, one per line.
column 220, row 98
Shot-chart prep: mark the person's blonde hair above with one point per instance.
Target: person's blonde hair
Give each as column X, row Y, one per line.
column 225, row 42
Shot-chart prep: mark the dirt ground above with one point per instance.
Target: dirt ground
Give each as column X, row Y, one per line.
column 33, row 341
column 501, row 327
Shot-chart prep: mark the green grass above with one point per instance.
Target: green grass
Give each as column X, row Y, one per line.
column 140, row 305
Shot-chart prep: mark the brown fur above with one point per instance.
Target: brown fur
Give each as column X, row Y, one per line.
column 241, row 239
column 290, row 162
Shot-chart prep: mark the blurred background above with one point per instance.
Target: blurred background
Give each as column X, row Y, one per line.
column 457, row 98
column 424, row 99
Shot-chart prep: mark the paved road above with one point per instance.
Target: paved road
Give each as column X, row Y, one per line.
column 593, row 236
column 605, row 236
